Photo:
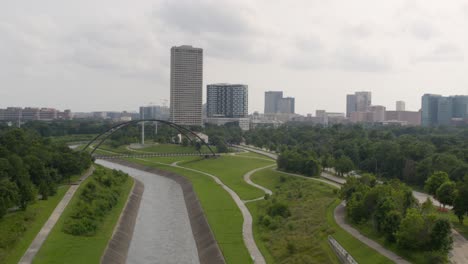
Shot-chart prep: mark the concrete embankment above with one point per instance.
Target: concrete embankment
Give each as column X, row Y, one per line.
column 163, row 232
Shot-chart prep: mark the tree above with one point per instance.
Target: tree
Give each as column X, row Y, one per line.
column 185, row 142
column 411, row 227
column 441, row 236
column 435, row 181
column 221, row 147
column 344, row 165
column 445, row 193
column 460, row 203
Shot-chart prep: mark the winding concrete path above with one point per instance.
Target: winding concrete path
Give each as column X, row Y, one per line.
column 54, row 217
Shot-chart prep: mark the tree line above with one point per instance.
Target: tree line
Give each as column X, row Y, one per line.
column 32, row 165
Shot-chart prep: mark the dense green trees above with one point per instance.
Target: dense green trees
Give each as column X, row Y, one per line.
column 393, row 212
column 410, row 154
column 31, row 165
column 299, row 162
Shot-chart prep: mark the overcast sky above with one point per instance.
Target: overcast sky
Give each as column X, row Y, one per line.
column 90, row 55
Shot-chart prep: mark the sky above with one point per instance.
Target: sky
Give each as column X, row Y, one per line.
column 108, row 55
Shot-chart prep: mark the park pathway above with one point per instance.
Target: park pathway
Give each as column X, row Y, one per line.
column 45, row 230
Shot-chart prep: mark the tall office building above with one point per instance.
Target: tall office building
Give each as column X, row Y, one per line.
column 275, row 103
column 227, row 100
column 429, row 109
column 400, row 106
column 460, row 106
column 358, row 102
column 286, row 105
column 186, row 85
column 363, row 101
column 350, row 104
column 444, row 111
column 271, row 101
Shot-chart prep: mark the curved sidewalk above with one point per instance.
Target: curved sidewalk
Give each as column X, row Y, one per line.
column 45, row 230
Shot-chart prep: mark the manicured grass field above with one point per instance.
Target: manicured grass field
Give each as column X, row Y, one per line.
column 60, row 247
column 173, row 148
column 223, row 215
column 18, row 229
column 230, row 170
column 253, row 154
column 310, row 224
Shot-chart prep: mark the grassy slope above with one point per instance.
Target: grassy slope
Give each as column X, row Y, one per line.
column 223, row 215
column 252, row 154
column 323, row 216
column 230, row 170
column 64, row 248
column 42, row 210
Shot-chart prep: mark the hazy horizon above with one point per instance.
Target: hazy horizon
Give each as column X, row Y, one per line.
column 114, row 55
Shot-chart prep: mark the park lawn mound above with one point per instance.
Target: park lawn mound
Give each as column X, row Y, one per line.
column 84, row 229
column 18, row 229
column 301, row 237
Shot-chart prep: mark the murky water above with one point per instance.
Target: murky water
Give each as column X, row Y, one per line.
column 162, row 232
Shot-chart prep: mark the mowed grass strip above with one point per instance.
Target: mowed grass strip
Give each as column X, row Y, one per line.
column 60, row 247
column 230, row 170
column 18, row 229
column 306, row 231
column 223, row 215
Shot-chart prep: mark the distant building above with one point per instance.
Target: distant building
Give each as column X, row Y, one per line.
column 400, row 106
column 378, row 113
column 186, row 85
column 286, row 105
column 271, row 101
column 358, row 102
column 21, row 115
column 243, row 122
column 276, row 103
column 154, row 112
column 404, row 117
column 227, row 100
column 441, row 110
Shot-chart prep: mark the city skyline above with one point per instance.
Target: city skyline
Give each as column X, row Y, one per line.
column 400, row 51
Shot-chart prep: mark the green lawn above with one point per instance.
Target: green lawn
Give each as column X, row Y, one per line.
column 173, row 148
column 312, row 204
column 18, row 229
column 230, row 170
column 60, row 247
column 253, row 154
column 223, row 215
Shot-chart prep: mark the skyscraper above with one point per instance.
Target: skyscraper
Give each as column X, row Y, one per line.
column 460, row 106
column 444, row 111
column 227, row 100
column 271, row 101
column 186, row 85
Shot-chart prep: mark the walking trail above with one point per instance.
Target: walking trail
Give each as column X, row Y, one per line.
column 45, row 230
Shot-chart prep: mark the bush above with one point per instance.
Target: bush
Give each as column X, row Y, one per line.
column 96, row 199
column 278, row 209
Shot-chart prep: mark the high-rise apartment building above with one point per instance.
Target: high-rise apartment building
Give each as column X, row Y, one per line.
column 186, row 85
column 227, row 100
column 275, row 103
column 400, row 106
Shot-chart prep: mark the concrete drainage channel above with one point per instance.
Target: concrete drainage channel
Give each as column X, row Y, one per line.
column 206, row 245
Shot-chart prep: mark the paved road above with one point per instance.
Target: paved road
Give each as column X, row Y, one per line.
column 45, row 230
column 162, row 231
